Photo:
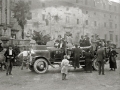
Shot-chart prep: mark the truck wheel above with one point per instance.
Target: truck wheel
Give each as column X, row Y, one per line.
column 31, row 67
column 95, row 64
column 40, row 66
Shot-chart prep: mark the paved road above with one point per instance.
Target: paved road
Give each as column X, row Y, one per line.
column 77, row 80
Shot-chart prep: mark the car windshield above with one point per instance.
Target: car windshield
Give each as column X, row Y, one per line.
column 39, row 47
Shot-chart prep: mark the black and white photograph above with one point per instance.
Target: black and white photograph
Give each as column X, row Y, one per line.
column 59, row 44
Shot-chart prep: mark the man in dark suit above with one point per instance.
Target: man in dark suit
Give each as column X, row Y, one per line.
column 10, row 55
column 101, row 59
column 82, row 41
column 76, row 52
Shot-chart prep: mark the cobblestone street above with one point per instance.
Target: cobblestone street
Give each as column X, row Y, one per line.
column 77, row 80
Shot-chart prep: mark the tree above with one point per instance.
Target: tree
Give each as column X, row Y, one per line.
column 40, row 38
column 21, row 12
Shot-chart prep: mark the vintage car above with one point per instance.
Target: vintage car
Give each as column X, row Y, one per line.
column 44, row 56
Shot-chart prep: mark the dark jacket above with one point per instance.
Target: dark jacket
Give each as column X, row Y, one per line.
column 6, row 54
column 101, row 54
column 88, row 56
column 77, row 52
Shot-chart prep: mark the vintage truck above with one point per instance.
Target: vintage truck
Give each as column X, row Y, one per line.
column 43, row 56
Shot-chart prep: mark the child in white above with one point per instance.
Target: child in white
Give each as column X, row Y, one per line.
column 64, row 67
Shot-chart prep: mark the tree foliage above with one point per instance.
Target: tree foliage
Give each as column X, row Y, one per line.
column 40, row 38
column 21, row 12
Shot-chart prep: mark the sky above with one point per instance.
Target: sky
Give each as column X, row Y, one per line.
column 115, row 1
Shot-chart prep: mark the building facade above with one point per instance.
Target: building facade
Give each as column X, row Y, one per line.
column 80, row 17
column 8, row 24
column 104, row 16
column 5, row 18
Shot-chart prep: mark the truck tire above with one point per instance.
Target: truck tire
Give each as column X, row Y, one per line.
column 40, row 66
column 95, row 64
column 31, row 67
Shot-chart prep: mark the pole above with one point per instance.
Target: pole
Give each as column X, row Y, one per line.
column 1, row 12
column 6, row 12
column 6, row 17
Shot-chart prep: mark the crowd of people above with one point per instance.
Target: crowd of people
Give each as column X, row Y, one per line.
column 102, row 57
column 101, row 51
column 89, row 54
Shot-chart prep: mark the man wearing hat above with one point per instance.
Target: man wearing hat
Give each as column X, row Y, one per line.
column 101, row 59
column 10, row 55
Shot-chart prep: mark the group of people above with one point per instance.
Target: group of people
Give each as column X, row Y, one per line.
column 84, row 41
column 12, row 53
column 68, row 42
column 102, row 56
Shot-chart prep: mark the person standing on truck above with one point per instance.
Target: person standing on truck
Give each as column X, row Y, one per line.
column 82, row 41
column 76, row 55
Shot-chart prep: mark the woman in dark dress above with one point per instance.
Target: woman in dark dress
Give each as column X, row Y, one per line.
column 112, row 59
column 88, row 61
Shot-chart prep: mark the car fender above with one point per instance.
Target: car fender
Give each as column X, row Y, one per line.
column 49, row 63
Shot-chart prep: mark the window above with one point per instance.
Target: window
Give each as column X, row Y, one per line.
column 116, row 38
column 47, row 22
column 111, row 25
column 77, row 21
column 43, row 17
column 86, row 2
column 109, row 7
column 67, row 19
column 104, row 24
column 67, row 8
column 77, row 1
column 43, row 4
column 86, row 12
column 111, row 36
column 105, row 36
column 115, row 26
column 110, row 16
column 86, row 22
column 95, row 23
column 104, row 15
column 94, row 13
column 13, row 36
column 94, row 3
column 115, row 8
column 104, row 5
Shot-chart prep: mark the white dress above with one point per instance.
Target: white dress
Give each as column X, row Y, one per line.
column 64, row 66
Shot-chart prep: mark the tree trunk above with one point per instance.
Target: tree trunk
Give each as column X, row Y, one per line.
column 23, row 32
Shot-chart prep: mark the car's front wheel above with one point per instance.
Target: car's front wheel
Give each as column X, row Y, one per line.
column 40, row 66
